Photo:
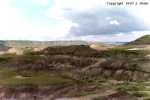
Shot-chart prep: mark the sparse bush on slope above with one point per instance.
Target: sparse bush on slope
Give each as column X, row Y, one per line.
column 141, row 41
column 117, row 61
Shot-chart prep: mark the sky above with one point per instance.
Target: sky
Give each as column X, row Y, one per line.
column 89, row 20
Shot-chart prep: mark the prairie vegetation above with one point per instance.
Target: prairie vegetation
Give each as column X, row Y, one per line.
column 78, row 70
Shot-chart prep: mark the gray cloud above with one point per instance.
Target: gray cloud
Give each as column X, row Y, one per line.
column 98, row 21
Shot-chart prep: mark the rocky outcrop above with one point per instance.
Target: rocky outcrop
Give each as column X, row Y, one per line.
column 118, row 96
column 87, row 63
column 80, row 64
column 33, row 92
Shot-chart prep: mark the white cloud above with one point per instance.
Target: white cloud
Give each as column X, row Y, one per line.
column 57, row 10
column 79, row 4
column 142, row 11
column 14, row 25
column 114, row 22
column 108, row 18
column 120, row 37
column 41, row 2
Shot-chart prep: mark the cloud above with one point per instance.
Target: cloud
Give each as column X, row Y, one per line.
column 79, row 5
column 94, row 23
column 41, row 2
column 70, row 19
column 95, row 18
column 119, row 37
column 114, row 22
column 15, row 25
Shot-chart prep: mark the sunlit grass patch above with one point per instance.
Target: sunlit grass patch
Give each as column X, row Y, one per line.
column 10, row 76
column 139, row 89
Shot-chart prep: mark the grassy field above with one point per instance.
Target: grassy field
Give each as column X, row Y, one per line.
column 10, row 76
column 87, row 71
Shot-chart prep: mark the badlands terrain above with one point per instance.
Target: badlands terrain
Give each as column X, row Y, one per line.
column 75, row 70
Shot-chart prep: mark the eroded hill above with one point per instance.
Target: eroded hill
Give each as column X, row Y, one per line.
column 141, row 41
column 74, row 70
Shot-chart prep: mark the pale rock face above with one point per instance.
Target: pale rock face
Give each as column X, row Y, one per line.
column 2, row 94
column 135, row 49
column 98, row 47
column 15, row 51
column 38, row 49
column 2, row 52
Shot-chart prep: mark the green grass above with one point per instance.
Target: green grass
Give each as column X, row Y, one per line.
column 12, row 77
column 123, row 52
column 142, row 40
column 139, row 89
column 4, row 58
